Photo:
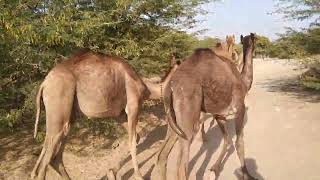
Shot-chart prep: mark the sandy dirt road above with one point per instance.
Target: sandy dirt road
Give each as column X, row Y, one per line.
column 282, row 138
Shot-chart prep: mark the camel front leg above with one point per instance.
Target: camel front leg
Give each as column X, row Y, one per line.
column 240, row 144
column 132, row 113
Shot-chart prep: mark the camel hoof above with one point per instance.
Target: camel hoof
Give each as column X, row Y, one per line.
column 111, row 175
column 138, row 177
column 216, row 169
column 249, row 177
column 33, row 175
column 115, row 144
column 210, row 175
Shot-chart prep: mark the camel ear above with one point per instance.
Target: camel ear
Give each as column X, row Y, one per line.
column 252, row 36
column 234, row 37
column 241, row 39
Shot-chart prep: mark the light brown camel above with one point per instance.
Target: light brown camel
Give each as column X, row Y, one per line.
column 205, row 82
column 99, row 86
column 227, row 49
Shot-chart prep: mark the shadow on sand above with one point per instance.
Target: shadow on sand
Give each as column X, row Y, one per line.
column 253, row 169
column 209, row 148
column 292, row 87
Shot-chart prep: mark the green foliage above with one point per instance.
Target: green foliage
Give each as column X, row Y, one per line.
column 18, row 112
column 298, row 44
column 207, row 42
column 295, row 44
column 35, row 34
column 311, row 78
column 300, row 9
column 311, row 85
column 262, row 45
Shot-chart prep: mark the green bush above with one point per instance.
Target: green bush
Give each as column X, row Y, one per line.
column 9, row 119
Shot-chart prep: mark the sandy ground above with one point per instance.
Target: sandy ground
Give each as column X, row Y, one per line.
column 282, row 140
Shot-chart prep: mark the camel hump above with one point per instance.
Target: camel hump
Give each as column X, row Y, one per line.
column 87, row 54
column 81, row 53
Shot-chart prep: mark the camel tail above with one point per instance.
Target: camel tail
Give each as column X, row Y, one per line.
column 171, row 115
column 38, row 106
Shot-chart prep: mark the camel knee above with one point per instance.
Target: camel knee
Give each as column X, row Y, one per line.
column 239, row 143
column 228, row 142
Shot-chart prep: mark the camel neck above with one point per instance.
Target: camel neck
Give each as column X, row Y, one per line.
column 230, row 48
column 156, row 88
column 247, row 70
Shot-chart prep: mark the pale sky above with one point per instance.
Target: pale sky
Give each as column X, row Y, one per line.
column 244, row 16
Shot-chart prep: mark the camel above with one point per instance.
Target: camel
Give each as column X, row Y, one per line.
column 156, row 87
column 226, row 49
column 99, row 86
column 206, row 82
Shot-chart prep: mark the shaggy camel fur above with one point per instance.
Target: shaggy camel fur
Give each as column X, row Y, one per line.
column 205, row 82
column 99, row 86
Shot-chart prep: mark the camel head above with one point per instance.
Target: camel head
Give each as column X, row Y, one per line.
column 173, row 67
column 248, row 41
column 174, row 62
column 231, row 40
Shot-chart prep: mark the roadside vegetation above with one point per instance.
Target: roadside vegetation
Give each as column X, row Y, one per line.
column 35, row 35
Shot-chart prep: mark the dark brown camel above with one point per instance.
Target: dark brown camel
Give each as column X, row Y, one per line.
column 225, row 50
column 99, row 86
column 205, row 82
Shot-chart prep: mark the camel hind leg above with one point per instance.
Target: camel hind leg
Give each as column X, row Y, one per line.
column 163, row 153
column 58, row 96
column 227, row 142
column 36, row 167
column 58, row 162
column 187, row 112
column 52, row 153
column 52, row 150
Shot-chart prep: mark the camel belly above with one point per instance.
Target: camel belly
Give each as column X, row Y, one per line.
column 100, row 96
